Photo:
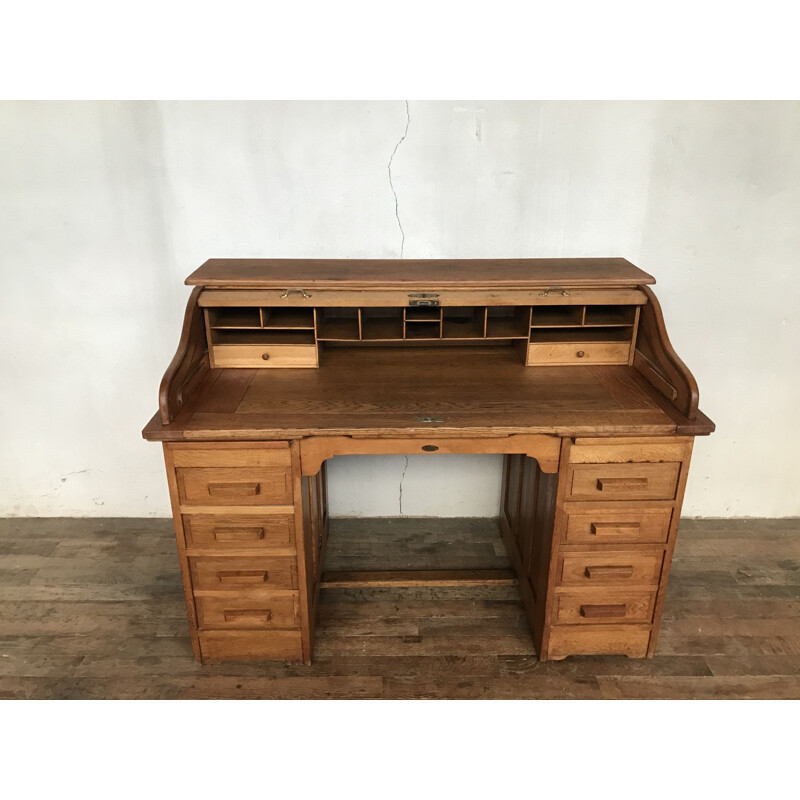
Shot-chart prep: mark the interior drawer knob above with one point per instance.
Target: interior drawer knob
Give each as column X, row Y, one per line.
column 580, row 354
column 265, row 356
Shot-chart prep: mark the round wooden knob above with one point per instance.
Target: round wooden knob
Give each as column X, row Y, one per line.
column 580, row 354
column 265, row 356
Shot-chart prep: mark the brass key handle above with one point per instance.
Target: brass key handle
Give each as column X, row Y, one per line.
column 289, row 291
column 560, row 289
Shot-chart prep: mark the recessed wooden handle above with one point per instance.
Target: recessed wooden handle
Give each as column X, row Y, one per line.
column 234, row 489
column 430, row 448
column 598, row 612
column 615, row 528
column 609, row 571
column 254, row 614
column 243, row 576
column 238, row 534
column 610, row 484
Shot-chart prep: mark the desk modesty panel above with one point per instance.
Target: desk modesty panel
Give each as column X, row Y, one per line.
column 563, row 366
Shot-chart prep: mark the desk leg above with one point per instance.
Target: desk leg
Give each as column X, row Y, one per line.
column 315, row 536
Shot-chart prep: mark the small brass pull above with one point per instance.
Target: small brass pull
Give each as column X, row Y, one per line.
column 289, row 291
column 561, row 289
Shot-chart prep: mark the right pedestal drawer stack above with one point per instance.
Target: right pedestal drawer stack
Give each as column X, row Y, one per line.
column 617, row 515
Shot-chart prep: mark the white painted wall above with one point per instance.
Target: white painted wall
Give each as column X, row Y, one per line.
column 106, row 207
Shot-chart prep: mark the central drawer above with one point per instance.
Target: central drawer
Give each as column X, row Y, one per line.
column 234, row 486
column 252, row 572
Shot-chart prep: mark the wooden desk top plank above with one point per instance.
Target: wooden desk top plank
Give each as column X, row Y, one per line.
column 476, row 391
column 522, row 273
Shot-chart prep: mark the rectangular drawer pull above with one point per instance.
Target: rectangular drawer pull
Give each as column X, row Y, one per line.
column 609, row 571
column 238, row 534
column 234, row 489
column 625, row 484
column 243, row 576
column 254, row 614
column 594, row 612
column 614, row 528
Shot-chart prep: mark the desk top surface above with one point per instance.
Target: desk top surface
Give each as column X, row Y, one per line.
column 382, row 391
column 522, row 273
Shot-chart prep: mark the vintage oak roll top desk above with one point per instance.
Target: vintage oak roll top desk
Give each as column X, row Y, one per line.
column 562, row 365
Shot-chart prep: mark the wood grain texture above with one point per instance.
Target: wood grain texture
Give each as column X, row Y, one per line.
column 466, row 391
column 410, row 273
column 93, row 608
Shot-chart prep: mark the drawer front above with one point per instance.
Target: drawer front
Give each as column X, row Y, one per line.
column 579, row 353
column 625, row 481
column 235, row 645
column 266, row 356
column 234, row 486
column 629, row 640
column 248, row 610
column 251, row 572
column 238, row 531
column 623, row 526
column 604, row 606
column 618, row 567
column 267, row 454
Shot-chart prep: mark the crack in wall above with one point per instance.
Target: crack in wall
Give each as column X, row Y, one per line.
column 391, row 185
column 402, row 478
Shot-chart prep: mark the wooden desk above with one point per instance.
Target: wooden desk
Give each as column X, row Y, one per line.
column 564, row 366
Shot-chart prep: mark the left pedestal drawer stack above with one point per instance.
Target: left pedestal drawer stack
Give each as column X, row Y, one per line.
column 237, row 516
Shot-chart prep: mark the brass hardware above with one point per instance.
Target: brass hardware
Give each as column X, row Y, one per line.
column 428, row 419
column 561, row 289
column 418, row 299
column 289, row 291
column 580, row 354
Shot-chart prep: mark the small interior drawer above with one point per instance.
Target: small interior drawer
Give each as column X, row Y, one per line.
column 248, row 610
column 238, row 531
column 579, row 353
column 636, row 481
column 248, row 572
column 234, row 486
column 617, row 567
column 617, row 526
column 266, row 355
column 604, row 606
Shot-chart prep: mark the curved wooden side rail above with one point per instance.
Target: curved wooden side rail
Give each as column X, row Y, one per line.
column 189, row 365
column 659, row 364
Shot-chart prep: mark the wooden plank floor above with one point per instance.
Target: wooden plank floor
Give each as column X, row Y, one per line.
column 93, row 609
